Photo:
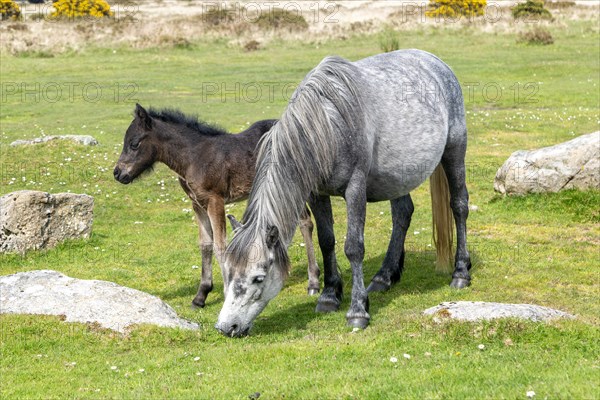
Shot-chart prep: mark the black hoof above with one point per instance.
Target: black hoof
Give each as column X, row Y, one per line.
column 198, row 303
column 327, row 306
column 376, row 286
column 460, row 283
column 358, row 322
column 312, row 292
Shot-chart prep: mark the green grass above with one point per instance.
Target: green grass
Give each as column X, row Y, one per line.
column 539, row 249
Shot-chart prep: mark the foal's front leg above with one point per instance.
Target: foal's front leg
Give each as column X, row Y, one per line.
column 205, row 241
column 356, row 206
column 216, row 214
column 306, row 227
column 206, row 248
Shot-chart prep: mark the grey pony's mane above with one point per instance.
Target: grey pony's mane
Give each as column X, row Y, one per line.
column 298, row 154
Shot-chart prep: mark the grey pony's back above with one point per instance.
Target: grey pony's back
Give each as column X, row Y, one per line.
column 414, row 109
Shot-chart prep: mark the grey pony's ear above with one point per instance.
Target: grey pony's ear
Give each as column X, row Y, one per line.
column 272, row 237
column 235, row 224
column 142, row 115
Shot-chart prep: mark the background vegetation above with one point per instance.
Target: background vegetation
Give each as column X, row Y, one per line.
column 540, row 249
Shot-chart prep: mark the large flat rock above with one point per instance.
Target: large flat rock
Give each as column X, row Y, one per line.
column 574, row 164
column 33, row 220
column 480, row 310
column 112, row 306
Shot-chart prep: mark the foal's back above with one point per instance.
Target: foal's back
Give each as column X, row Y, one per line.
column 226, row 165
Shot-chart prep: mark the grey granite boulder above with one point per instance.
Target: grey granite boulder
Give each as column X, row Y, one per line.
column 81, row 139
column 106, row 303
column 570, row 165
column 33, row 220
column 480, row 310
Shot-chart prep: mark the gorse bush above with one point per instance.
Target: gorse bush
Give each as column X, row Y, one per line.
column 281, row 19
column 456, row 8
column 559, row 4
column 219, row 16
column 81, row 8
column 536, row 36
column 531, row 8
column 9, row 10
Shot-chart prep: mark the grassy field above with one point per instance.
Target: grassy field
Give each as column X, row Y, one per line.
column 541, row 249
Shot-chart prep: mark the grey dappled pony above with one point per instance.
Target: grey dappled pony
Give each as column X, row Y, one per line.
column 369, row 130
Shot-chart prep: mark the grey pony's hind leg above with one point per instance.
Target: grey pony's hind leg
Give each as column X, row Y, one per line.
column 306, row 227
column 453, row 161
column 331, row 297
column 393, row 264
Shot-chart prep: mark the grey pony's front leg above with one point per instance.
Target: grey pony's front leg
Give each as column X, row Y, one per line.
column 393, row 264
column 331, row 296
column 306, row 227
column 356, row 207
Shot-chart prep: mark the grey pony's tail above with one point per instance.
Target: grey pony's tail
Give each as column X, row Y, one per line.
column 443, row 220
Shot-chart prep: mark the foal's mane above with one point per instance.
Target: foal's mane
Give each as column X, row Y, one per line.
column 298, row 153
column 176, row 117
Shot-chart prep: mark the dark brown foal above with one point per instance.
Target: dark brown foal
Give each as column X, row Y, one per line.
column 215, row 168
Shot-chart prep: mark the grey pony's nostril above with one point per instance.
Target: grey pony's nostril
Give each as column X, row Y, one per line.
column 233, row 330
column 116, row 172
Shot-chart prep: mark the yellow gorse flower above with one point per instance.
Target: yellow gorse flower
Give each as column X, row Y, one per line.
column 456, row 8
column 9, row 9
column 81, row 8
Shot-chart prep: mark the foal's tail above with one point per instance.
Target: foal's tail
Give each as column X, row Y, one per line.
column 443, row 221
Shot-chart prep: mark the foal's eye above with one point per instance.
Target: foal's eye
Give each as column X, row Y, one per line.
column 258, row 279
column 134, row 145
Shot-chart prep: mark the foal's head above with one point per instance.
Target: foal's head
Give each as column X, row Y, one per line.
column 139, row 149
column 256, row 266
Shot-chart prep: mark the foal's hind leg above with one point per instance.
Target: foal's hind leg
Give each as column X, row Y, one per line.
column 306, row 227
column 453, row 161
column 393, row 264
column 332, row 290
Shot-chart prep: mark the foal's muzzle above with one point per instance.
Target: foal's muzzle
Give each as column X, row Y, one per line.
column 121, row 176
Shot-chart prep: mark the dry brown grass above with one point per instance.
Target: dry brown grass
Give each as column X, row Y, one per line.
column 143, row 29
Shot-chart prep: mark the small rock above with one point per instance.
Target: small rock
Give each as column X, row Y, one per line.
column 85, row 140
column 480, row 310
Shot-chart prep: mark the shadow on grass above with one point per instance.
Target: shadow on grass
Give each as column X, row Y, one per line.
column 419, row 277
column 188, row 291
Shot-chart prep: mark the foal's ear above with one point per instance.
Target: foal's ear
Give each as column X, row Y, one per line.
column 272, row 237
column 142, row 115
column 235, row 224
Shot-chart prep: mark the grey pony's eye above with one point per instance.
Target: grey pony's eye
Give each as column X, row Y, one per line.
column 134, row 145
column 258, row 279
